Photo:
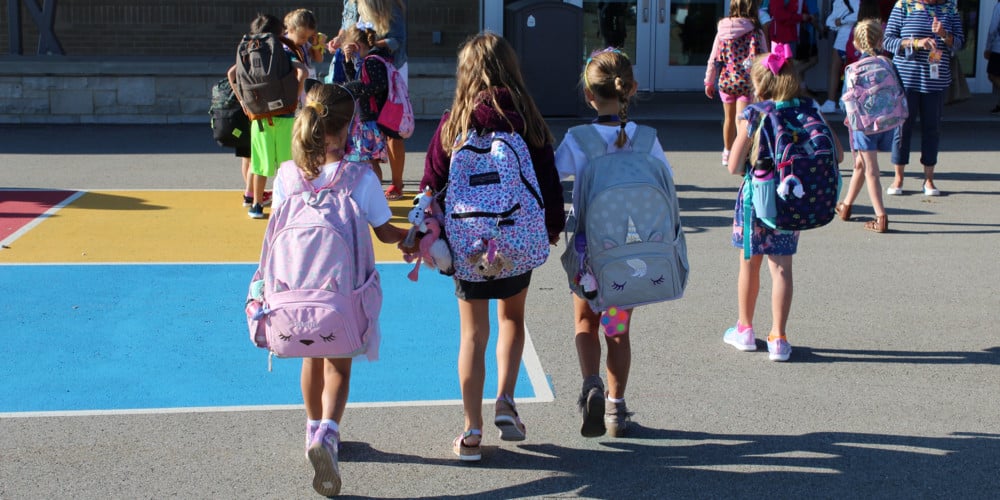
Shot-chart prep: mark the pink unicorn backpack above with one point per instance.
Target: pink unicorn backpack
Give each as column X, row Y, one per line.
column 316, row 293
column 397, row 112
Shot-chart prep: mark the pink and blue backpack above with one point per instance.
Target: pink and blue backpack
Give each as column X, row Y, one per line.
column 874, row 99
column 494, row 213
column 793, row 181
column 316, row 293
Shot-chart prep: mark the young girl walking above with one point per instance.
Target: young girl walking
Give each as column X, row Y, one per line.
column 490, row 95
column 608, row 86
column 774, row 79
column 868, row 40
column 738, row 39
column 319, row 136
column 370, row 85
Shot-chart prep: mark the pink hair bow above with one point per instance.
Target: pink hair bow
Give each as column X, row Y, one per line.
column 780, row 53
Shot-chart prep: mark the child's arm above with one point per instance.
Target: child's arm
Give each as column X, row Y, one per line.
column 301, row 74
column 712, row 69
column 437, row 162
column 740, row 148
column 388, row 233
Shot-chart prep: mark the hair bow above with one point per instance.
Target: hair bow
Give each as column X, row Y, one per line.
column 780, row 54
column 364, row 26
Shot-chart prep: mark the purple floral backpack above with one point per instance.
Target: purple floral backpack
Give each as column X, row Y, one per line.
column 494, row 214
column 316, row 293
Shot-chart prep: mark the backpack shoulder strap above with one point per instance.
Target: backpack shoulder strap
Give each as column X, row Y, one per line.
column 349, row 175
column 643, row 139
column 589, row 140
column 292, row 179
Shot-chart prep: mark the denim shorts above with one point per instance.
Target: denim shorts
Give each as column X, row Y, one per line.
column 881, row 141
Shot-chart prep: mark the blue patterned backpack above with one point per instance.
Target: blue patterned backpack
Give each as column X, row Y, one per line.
column 799, row 187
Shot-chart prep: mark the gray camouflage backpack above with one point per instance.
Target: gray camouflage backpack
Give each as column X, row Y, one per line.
column 627, row 246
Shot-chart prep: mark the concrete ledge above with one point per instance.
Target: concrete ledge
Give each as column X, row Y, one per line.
column 160, row 90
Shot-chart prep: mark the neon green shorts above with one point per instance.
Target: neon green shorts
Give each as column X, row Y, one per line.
column 270, row 146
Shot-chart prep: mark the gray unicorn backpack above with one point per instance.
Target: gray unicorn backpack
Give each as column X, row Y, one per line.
column 627, row 246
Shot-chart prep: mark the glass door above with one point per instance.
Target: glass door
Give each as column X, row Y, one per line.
column 668, row 40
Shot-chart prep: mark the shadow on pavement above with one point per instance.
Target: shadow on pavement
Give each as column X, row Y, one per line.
column 693, row 464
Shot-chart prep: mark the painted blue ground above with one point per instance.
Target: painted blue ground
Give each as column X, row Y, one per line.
column 121, row 337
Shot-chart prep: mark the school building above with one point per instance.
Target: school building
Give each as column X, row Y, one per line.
column 154, row 61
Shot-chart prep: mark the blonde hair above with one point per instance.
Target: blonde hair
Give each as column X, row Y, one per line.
column 355, row 35
column 487, row 61
column 608, row 75
column 379, row 13
column 300, row 19
column 328, row 110
column 868, row 36
column 781, row 87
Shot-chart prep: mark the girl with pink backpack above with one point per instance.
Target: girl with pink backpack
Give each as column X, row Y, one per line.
column 320, row 173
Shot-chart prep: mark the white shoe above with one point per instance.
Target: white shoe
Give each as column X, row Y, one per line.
column 829, row 107
column 893, row 191
column 929, row 191
column 743, row 341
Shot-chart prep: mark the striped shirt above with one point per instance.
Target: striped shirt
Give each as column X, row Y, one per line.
column 912, row 19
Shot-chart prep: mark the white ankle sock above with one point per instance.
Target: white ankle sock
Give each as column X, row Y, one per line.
column 615, row 400
column 331, row 424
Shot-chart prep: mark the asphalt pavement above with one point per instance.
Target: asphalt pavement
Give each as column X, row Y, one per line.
column 892, row 390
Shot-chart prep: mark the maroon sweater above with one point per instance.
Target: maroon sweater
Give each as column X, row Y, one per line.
column 484, row 117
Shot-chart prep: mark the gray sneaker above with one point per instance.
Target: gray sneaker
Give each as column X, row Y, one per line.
column 617, row 419
column 591, row 405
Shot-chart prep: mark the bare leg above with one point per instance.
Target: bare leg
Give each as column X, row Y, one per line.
column 312, row 387
column 259, row 182
column 857, row 179
column 510, row 342
column 588, row 340
column 897, row 182
column 336, row 387
column 247, row 176
column 397, row 160
column 619, row 361
column 748, row 286
column 781, row 293
column 929, row 177
column 870, row 159
column 377, row 168
column 833, row 84
column 475, row 332
column 728, row 125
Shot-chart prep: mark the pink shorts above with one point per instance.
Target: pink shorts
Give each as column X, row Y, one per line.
column 728, row 98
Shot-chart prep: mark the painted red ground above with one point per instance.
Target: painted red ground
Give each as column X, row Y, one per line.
column 19, row 208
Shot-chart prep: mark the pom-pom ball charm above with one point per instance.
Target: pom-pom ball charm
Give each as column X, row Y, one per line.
column 615, row 321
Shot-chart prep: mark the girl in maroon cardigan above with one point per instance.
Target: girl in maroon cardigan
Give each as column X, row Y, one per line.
column 490, row 95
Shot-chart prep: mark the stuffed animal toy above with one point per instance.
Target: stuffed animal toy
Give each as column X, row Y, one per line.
column 432, row 251
column 488, row 259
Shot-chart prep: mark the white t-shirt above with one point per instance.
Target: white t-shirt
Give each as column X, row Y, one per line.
column 367, row 194
column 570, row 159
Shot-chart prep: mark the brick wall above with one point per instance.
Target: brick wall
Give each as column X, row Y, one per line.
column 213, row 27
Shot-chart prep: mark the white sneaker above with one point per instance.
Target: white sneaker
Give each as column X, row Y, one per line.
column 829, row 107
column 743, row 341
column 778, row 349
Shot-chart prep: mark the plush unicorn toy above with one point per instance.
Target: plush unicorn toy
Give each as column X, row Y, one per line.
column 433, row 252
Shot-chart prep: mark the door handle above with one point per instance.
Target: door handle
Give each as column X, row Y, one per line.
column 645, row 11
column 663, row 11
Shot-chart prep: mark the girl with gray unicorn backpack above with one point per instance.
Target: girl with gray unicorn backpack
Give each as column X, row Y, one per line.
column 626, row 247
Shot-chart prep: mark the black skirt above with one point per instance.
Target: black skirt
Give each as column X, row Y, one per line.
column 493, row 289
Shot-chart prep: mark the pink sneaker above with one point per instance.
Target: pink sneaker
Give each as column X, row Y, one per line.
column 323, row 454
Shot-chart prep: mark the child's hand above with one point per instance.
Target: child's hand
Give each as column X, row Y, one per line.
column 710, row 91
column 410, row 250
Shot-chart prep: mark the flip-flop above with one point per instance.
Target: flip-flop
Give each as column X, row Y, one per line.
column 393, row 193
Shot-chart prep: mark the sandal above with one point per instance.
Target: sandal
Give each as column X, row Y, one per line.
column 507, row 420
column 879, row 225
column 465, row 451
column 844, row 210
column 393, row 193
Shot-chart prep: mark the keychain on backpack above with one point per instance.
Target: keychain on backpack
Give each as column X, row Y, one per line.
column 614, row 320
column 584, row 278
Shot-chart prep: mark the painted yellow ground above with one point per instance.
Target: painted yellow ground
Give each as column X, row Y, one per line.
column 158, row 226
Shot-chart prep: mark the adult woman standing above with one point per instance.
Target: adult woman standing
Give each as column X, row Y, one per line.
column 922, row 35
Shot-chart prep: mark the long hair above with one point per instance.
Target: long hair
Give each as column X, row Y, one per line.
column 746, row 9
column 487, row 61
column 380, row 13
column 868, row 36
column 781, row 87
column 329, row 109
